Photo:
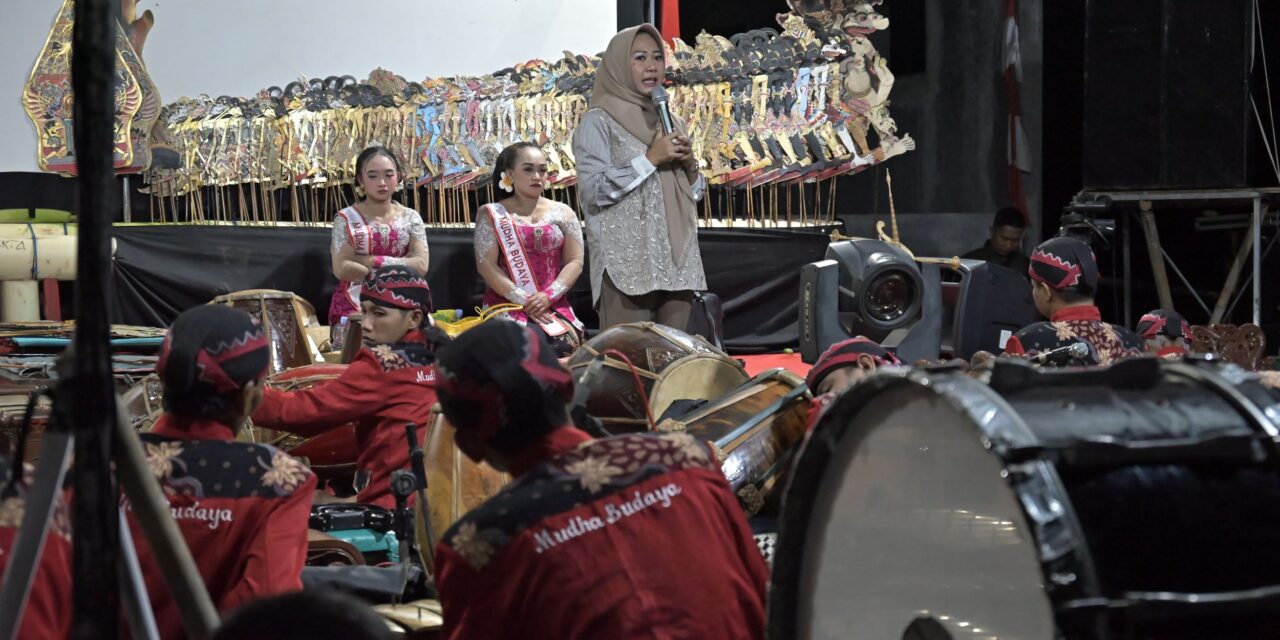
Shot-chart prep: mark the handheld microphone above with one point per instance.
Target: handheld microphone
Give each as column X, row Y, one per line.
column 660, row 103
column 1062, row 355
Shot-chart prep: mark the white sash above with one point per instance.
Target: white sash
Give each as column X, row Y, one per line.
column 358, row 236
column 504, row 225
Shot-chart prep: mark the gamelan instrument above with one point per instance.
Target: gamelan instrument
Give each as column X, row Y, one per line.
column 1134, row 501
column 285, row 317
column 755, row 429
column 670, row 364
column 455, row 483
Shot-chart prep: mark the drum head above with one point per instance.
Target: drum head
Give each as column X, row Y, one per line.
column 896, row 512
column 701, row 376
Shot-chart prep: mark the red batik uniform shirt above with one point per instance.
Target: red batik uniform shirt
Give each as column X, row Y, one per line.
column 635, row 536
column 1107, row 342
column 382, row 390
column 241, row 507
column 48, row 610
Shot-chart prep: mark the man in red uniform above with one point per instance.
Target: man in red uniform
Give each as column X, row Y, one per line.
column 841, row 366
column 1064, row 277
column 242, row 508
column 1167, row 334
column 48, row 610
column 634, row 536
column 389, row 384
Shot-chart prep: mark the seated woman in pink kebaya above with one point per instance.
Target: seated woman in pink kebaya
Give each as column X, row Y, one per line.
column 529, row 248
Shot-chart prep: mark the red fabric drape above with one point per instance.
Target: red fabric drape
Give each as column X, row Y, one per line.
column 1017, row 195
column 669, row 19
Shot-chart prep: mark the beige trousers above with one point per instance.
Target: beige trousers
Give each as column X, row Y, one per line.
column 671, row 308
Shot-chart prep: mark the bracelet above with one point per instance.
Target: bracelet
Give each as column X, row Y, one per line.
column 377, row 262
column 554, row 291
column 517, row 295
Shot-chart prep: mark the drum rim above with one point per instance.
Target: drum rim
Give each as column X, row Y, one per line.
column 969, row 397
column 256, row 294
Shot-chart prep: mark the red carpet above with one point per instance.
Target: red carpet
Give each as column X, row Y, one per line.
column 764, row 362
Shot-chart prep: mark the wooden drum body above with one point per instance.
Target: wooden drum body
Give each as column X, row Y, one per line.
column 756, row 429
column 455, row 483
column 671, row 364
column 285, row 317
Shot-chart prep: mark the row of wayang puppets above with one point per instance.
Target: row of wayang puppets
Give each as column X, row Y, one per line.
column 762, row 108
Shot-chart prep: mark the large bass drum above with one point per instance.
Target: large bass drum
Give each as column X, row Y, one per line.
column 1137, row 501
column 670, row 364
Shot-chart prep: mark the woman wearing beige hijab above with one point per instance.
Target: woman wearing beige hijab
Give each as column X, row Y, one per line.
column 639, row 190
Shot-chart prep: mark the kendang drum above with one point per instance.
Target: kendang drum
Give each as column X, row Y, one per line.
column 671, row 365
column 286, row 318
column 1136, row 501
column 455, row 483
column 756, row 429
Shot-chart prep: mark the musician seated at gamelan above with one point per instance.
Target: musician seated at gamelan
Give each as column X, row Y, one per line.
column 1064, row 277
column 633, row 536
column 242, row 508
column 841, row 366
column 47, row 613
column 1167, row 334
column 390, row 383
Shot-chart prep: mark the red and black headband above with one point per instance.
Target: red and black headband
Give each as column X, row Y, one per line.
column 397, row 287
column 1064, row 263
column 212, row 350
column 500, row 377
column 847, row 354
column 1164, row 322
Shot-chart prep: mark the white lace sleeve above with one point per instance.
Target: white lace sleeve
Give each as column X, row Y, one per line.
column 567, row 220
column 485, row 238
column 339, row 239
column 416, row 256
column 417, row 230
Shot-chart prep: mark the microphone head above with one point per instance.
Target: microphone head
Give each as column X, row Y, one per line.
column 1080, row 350
column 658, row 94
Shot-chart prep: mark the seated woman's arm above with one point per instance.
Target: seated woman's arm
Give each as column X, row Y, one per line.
column 347, row 265
column 571, row 255
column 417, row 257
column 486, row 248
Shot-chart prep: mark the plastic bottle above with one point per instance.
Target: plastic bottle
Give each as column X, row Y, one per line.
column 340, row 334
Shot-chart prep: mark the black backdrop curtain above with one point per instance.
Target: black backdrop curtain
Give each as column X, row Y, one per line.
column 161, row 270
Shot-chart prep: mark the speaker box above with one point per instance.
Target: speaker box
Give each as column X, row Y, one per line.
column 1166, row 94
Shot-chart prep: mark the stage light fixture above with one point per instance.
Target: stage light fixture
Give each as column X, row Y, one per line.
column 919, row 310
column 880, row 287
